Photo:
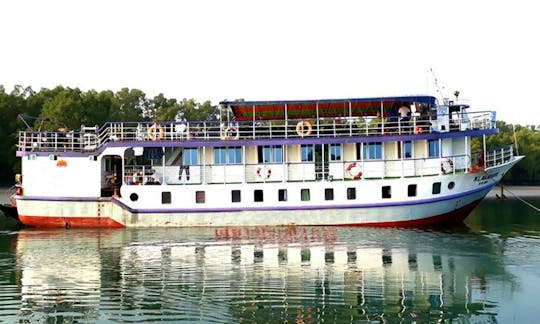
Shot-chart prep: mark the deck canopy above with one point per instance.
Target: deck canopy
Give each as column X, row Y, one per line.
column 335, row 108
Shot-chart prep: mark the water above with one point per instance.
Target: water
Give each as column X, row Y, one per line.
column 487, row 271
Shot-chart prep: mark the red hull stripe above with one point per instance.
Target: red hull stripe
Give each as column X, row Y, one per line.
column 70, row 222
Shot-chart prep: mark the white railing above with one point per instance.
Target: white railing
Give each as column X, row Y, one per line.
column 302, row 171
column 89, row 139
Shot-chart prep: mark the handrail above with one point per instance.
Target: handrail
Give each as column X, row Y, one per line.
column 91, row 140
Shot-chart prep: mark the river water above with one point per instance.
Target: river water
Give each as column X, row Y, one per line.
column 487, row 270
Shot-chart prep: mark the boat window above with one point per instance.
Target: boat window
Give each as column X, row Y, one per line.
column 282, row 194
column 451, row 185
column 411, row 190
column 191, row 156
column 270, row 154
column 258, row 195
column 228, row 155
column 335, row 152
column 304, row 194
column 406, row 153
column 200, row 197
column 134, row 197
column 307, row 153
column 329, row 194
column 433, row 148
column 166, row 197
column 372, row 151
column 236, row 196
column 386, row 192
column 351, row 193
column 436, row 188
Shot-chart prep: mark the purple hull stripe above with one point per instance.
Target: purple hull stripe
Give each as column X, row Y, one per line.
column 485, row 188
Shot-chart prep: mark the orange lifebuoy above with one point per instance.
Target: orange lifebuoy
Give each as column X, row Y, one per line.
column 300, row 128
column 156, row 132
column 264, row 172
column 447, row 166
column 353, row 170
column 230, row 133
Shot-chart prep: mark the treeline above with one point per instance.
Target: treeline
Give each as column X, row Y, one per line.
column 70, row 108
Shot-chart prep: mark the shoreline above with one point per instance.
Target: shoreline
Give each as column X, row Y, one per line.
column 511, row 191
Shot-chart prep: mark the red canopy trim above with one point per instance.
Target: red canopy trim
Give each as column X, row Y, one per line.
column 271, row 110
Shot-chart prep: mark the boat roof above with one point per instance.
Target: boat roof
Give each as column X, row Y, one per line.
column 292, row 109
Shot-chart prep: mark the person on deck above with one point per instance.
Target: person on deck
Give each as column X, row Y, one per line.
column 404, row 111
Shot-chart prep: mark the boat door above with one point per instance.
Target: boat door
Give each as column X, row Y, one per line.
column 321, row 161
column 111, row 174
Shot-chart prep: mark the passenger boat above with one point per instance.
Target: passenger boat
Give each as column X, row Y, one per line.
column 389, row 161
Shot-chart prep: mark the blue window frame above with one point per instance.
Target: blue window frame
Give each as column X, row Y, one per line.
column 273, row 154
column 191, row 156
column 306, row 152
column 228, row 155
column 372, row 151
column 335, row 152
column 433, row 148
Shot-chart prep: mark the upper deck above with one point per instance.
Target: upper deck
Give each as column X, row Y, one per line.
column 286, row 120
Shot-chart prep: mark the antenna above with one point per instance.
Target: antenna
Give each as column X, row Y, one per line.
column 439, row 88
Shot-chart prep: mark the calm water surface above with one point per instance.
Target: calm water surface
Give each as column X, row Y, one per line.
column 485, row 271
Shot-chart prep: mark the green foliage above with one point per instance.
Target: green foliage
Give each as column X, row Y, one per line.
column 526, row 141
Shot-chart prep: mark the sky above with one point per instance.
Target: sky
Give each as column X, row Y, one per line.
column 280, row 50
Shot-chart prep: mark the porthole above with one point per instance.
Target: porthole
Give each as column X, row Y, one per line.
column 134, row 197
column 451, row 185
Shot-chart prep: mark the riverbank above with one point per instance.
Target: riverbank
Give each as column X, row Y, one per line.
column 511, row 192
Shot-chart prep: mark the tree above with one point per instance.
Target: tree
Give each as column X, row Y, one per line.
column 129, row 105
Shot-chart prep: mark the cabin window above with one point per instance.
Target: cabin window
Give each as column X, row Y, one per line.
column 306, row 152
column 386, row 192
column 433, row 148
column 228, row 155
column 436, row 188
column 405, row 150
column 351, row 193
column 191, row 156
column 411, row 190
column 236, row 196
column 270, row 154
column 200, row 197
column 282, row 194
column 451, row 185
column 329, row 194
column 166, row 197
column 335, row 152
column 133, row 197
column 372, row 151
column 258, row 195
column 304, row 195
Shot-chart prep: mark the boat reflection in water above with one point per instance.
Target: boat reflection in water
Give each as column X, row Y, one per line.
column 303, row 274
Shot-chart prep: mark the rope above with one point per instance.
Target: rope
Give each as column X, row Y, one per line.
column 523, row 200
